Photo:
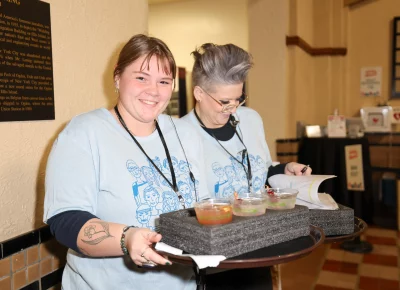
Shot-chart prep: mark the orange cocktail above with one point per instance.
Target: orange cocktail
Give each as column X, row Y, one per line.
column 213, row 212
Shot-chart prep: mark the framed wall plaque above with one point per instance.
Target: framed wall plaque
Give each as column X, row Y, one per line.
column 26, row 65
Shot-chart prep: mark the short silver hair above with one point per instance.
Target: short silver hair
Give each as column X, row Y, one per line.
column 220, row 65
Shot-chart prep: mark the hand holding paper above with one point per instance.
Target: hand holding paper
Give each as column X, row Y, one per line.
column 294, row 168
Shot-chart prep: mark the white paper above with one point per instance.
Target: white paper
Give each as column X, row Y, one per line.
column 160, row 246
column 307, row 185
column 396, row 115
column 371, row 81
column 202, row 261
column 336, row 126
column 354, row 167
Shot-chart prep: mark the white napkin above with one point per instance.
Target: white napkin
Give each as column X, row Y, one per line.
column 202, row 261
column 168, row 249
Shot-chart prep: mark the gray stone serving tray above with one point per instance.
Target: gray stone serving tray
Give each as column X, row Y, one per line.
column 334, row 222
column 181, row 229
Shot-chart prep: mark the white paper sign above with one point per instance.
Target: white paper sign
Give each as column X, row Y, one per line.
column 396, row 115
column 371, row 81
column 354, row 167
column 336, row 126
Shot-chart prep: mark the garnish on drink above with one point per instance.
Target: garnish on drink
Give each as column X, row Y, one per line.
column 248, row 204
column 213, row 212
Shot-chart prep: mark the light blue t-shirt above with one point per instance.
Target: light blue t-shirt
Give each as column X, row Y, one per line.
column 226, row 175
column 95, row 166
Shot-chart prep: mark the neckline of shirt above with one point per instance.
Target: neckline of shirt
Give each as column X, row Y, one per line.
column 110, row 117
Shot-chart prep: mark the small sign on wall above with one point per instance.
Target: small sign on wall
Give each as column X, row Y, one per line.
column 371, row 81
column 354, row 167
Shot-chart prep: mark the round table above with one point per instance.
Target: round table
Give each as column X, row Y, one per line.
column 359, row 228
column 268, row 256
column 352, row 242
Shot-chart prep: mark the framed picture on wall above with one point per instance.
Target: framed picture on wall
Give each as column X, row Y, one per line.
column 396, row 58
column 177, row 104
column 376, row 119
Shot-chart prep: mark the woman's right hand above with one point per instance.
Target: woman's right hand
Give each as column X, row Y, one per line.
column 139, row 242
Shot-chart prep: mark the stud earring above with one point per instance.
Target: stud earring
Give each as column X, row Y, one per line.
column 116, row 85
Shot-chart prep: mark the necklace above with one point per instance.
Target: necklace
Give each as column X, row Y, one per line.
column 173, row 185
column 245, row 153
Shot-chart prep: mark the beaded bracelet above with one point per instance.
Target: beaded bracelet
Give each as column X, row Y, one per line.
column 122, row 242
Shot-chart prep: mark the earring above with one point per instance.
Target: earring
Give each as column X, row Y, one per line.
column 116, row 85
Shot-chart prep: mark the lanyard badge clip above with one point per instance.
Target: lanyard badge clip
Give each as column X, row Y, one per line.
column 181, row 200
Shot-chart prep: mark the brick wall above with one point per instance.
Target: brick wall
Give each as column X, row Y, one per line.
column 32, row 261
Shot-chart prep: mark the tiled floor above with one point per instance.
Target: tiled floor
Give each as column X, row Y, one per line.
column 330, row 267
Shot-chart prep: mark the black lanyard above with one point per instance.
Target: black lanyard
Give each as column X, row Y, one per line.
column 245, row 153
column 171, row 168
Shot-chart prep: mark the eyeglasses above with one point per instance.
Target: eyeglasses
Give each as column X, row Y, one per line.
column 226, row 105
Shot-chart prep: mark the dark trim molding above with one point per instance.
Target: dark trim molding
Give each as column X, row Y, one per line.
column 385, row 144
column 52, row 279
column 385, row 169
column 33, row 286
column 24, row 241
column 286, row 153
column 351, row 2
column 291, row 140
column 320, row 51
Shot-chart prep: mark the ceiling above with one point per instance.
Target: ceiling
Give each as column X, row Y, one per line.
column 164, row 1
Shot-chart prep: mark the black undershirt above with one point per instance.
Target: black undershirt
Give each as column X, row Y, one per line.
column 66, row 225
column 226, row 133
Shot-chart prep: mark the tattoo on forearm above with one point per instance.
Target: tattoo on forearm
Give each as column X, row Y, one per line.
column 98, row 235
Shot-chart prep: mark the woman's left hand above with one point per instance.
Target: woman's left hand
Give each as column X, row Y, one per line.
column 294, row 168
column 139, row 243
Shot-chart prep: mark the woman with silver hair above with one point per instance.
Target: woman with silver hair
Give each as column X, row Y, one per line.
column 233, row 136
